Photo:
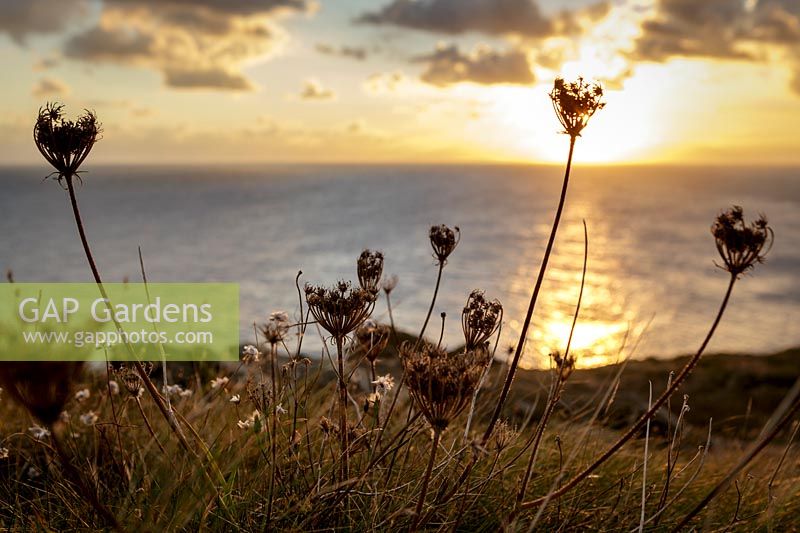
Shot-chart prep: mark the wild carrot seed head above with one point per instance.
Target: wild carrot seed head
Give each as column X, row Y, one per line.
column 440, row 383
column 275, row 329
column 372, row 339
column 65, row 144
column 480, row 319
column 370, row 270
column 740, row 245
column 339, row 309
column 443, row 241
column 575, row 103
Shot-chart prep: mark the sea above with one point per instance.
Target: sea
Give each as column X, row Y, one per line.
column 651, row 290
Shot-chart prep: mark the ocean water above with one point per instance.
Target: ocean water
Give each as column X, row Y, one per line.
column 651, row 256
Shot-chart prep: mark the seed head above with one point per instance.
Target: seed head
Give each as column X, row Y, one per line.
column 276, row 327
column 444, row 240
column 741, row 246
column 370, row 270
column 389, row 283
column 65, row 144
column 575, row 103
column 564, row 365
column 480, row 319
column 131, row 379
column 372, row 339
column 339, row 309
column 250, row 354
column 442, row 384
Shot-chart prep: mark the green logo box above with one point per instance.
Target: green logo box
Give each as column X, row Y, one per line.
column 73, row 322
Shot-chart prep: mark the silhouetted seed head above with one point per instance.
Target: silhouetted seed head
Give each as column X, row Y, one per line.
column 327, row 426
column 480, row 319
column 442, row 384
column 370, row 270
column 372, row 339
column 276, row 327
column 389, row 283
column 740, row 245
column 444, row 240
column 575, row 103
column 65, row 143
column 564, row 365
column 131, row 379
column 503, row 435
column 41, row 388
column 339, row 309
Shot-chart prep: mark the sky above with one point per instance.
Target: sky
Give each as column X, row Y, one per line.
column 409, row 81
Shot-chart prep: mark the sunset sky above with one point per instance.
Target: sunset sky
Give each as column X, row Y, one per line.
column 688, row 81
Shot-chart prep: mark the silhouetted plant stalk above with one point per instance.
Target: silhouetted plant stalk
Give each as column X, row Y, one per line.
column 274, row 332
column 741, row 247
column 65, row 145
column 574, row 103
column 443, row 241
column 441, row 386
column 340, row 310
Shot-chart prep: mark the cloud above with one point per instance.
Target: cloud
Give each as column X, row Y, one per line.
column 352, row 52
column 492, row 17
column 721, row 29
column 447, row 65
column 50, row 87
column 385, row 83
column 20, row 18
column 199, row 44
column 313, row 90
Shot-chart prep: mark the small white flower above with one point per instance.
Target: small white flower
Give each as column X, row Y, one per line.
column 250, row 354
column 39, row 432
column 172, row 389
column 384, row 384
column 186, row 393
column 249, row 421
column 82, row 395
column 64, row 416
column 140, row 392
column 219, row 382
column 280, row 410
column 89, row 418
column 113, row 386
column 33, row 472
column 235, row 399
column 3, row 453
column 279, row 316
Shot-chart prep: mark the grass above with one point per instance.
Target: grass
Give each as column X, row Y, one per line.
column 148, row 489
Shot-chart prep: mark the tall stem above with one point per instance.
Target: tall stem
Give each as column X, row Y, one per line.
column 151, row 388
column 685, row 371
column 345, row 466
column 433, row 302
column 540, row 278
column 273, row 407
column 425, row 480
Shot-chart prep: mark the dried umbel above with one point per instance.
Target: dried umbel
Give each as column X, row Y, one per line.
column 131, row 379
column 564, row 365
column 740, row 245
column 440, row 383
column 41, row 388
column 65, row 143
column 389, row 284
column 480, row 319
column 444, row 240
column 575, row 103
column 275, row 329
column 372, row 339
column 370, row 270
column 339, row 309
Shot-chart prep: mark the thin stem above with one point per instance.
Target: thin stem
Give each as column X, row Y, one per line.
column 433, row 302
column 345, row 466
column 273, row 407
column 534, row 296
column 722, row 485
column 633, row 430
column 151, row 389
column 424, row 490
